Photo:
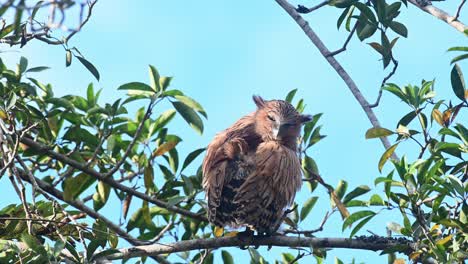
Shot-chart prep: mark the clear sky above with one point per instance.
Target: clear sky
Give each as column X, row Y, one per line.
column 223, row 52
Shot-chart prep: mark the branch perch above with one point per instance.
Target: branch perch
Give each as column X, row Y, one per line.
column 373, row 243
column 442, row 15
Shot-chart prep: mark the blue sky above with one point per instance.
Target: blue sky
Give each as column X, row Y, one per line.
column 223, row 52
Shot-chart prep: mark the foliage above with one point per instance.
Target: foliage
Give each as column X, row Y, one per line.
column 431, row 192
column 77, row 155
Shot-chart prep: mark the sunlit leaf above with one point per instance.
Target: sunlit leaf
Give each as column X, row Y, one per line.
column 386, row 155
column 377, row 132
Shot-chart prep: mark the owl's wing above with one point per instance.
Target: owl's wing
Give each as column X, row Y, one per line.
column 216, row 172
column 270, row 188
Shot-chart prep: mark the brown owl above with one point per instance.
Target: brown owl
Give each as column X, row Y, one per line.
column 252, row 171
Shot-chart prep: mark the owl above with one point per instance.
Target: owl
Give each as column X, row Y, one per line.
column 251, row 171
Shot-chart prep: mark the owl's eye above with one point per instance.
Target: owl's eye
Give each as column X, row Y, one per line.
column 272, row 118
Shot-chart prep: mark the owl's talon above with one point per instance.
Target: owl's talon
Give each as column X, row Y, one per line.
column 247, row 237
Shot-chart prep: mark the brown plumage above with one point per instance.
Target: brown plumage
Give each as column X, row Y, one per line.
column 251, row 170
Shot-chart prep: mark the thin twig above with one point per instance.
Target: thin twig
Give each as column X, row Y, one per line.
column 351, row 33
column 304, row 10
column 457, row 14
column 384, row 81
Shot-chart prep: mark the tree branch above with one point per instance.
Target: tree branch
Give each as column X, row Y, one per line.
column 83, row 208
column 82, row 167
column 457, row 14
column 442, row 15
column 336, row 66
column 304, row 10
column 372, row 243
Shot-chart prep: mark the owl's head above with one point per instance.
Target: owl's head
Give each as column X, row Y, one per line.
column 278, row 120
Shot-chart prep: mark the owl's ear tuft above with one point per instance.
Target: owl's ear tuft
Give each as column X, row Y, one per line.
column 258, row 100
column 306, row 118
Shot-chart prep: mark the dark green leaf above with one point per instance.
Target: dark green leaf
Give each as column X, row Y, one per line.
column 360, row 190
column 458, row 82
column 339, row 21
column 459, row 58
column 360, row 225
column 37, row 69
column 88, row 66
column 190, row 157
column 399, row 28
column 227, row 258
column 355, row 217
column 290, row 95
column 190, row 116
column 308, row 205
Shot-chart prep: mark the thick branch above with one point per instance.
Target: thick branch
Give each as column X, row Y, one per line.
column 335, row 64
column 372, row 243
column 82, row 167
column 442, row 15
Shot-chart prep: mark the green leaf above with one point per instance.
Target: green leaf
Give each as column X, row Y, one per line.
column 137, row 86
column 365, row 30
column 308, row 205
column 377, row 132
column 154, row 78
column 37, row 69
column 227, row 258
column 341, row 189
column 290, row 96
column 101, row 195
column 58, row 247
column 386, row 155
column 190, row 157
column 376, row 200
column 88, row 66
column 366, row 11
column 355, row 217
column 191, row 103
column 23, row 65
column 404, row 121
column 458, row 49
column 399, row 28
column 7, row 30
column 11, row 101
column 459, row 58
column 360, row 190
column 190, row 116
column 360, row 225
column 338, row 261
column 61, row 102
column 30, row 241
column 339, row 21
column 458, row 82
column 457, row 185
column 68, row 58
column 74, row 186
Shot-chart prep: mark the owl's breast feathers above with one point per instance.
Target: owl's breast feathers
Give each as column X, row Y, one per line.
column 249, row 183
column 270, row 188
